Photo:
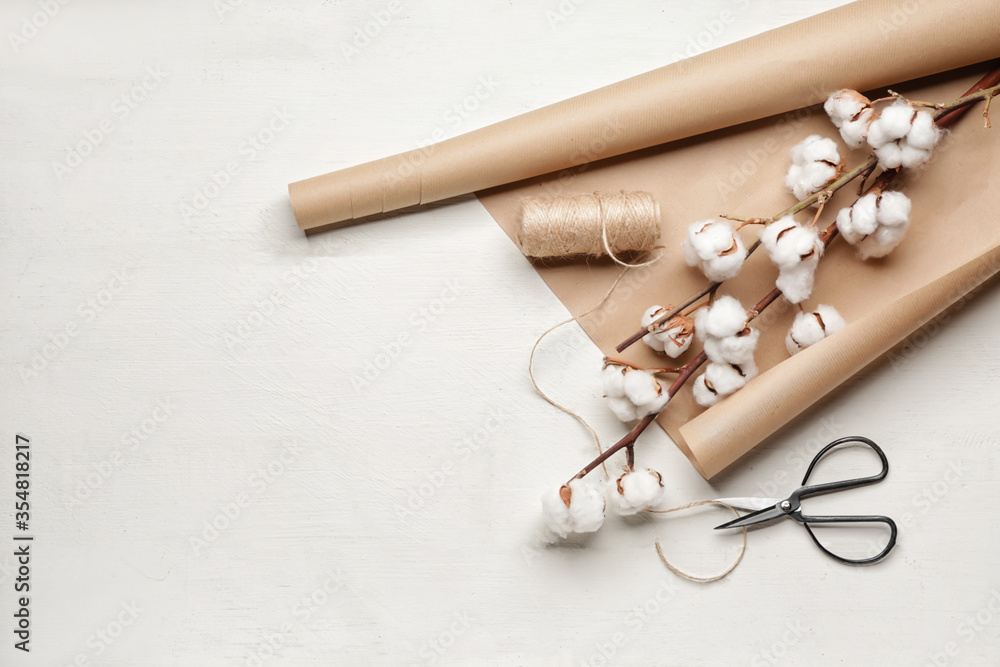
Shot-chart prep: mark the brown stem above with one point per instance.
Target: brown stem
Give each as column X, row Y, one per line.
column 985, row 87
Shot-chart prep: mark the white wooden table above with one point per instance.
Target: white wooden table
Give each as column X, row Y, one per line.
column 250, row 447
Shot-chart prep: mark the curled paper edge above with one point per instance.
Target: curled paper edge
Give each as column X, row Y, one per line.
column 715, row 439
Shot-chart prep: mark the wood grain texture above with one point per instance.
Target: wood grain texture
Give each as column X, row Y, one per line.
column 351, row 410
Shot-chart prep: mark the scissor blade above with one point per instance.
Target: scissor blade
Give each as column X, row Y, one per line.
column 760, row 516
column 749, row 504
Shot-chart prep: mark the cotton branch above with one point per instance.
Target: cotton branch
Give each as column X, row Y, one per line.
column 985, row 89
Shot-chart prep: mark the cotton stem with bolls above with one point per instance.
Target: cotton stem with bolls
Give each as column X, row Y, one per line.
column 985, row 89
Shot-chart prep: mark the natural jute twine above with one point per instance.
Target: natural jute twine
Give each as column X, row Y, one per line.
column 591, row 224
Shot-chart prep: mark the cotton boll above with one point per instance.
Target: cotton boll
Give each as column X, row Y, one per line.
column 556, row 512
column 903, row 137
column 924, row 132
column 635, row 491
column 653, row 342
column 715, row 248
column 890, row 156
column 814, row 164
column 796, row 282
column 844, row 105
column 641, row 387
column 807, row 179
column 851, row 112
column 808, row 328
column 892, row 123
column 623, row 408
column 707, row 239
column 854, row 132
column 676, row 337
column 586, row 508
column 796, row 250
column 613, row 380
column 704, row 395
column 893, row 209
column 815, row 148
column 725, row 378
column 805, row 331
column 911, row 156
column 736, row 349
column 635, row 395
column 882, row 242
column 672, row 337
column 576, row 508
column 832, row 320
column 725, row 317
column 726, row 266
column 876, row 224
column 788, row 243
column 859, row 220
column 651, row 339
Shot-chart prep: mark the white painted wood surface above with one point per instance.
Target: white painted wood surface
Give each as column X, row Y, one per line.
column 176, row 371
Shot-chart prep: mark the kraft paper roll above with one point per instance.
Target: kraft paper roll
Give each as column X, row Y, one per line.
column 952, row 245
column 862, row 45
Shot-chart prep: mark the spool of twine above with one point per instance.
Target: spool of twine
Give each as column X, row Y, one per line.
column 591, row 224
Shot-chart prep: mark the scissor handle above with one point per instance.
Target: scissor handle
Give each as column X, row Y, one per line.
column 806, row 520
column 828, row 487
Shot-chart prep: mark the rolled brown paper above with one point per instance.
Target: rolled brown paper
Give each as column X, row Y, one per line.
column 862, row 45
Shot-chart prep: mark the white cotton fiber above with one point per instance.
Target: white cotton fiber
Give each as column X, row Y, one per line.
column 796, row 250
column 585, row 512
column 623, row 408
column 844, row 105
column 632, row 393
column 715, row 248
column 635, row 491
column 613, row 380
column 673, row 337
column 796, row 283
column 788, row 243
column 703, row 395
column 736, row 349
column 808, row 328
column 720, row 380
column 851, row 112
column 815, row 148
column 725, row 317
column 924, row 132
column 903, row 137
column 814, row 164
column 641, row 387
column 882, row 242
column 652, row 339
column 859, row 220
column 725, row 378
column 876, row 223
column 894, row 209
column 892, row 123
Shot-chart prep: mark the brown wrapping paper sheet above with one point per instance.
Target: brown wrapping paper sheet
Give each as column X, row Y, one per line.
column 953, row 244
column 862, row 45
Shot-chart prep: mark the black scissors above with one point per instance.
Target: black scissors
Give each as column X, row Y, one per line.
column 769, row 509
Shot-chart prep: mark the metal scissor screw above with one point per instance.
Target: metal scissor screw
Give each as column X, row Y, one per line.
column 785, row 505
